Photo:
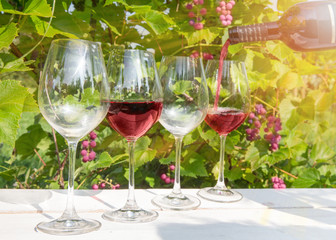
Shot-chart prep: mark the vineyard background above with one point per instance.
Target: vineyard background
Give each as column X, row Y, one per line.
column 299, row 88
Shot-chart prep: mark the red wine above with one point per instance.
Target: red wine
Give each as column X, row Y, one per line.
column 306, row 26
column 225, row 120
column 133, row 119
column 222, row 57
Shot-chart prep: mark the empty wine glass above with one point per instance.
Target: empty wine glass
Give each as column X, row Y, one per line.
column 71, row 95
column 135, row 105
column 229, row 104
column 185, row 103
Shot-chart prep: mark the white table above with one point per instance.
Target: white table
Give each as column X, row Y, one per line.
column 262, row 214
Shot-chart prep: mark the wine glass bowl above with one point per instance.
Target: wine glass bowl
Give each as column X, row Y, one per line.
column 229, row 104
column 135, row 105
column 185, row 103
column 71, row 96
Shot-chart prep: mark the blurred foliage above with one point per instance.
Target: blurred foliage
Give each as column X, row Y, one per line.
column 298, row 87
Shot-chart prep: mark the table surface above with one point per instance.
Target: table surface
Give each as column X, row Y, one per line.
column 262, row 214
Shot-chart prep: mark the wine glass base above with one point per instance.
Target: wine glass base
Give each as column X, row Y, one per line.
column 68, row 226
column 131, row 215
column 176, row 202
column 219, row 195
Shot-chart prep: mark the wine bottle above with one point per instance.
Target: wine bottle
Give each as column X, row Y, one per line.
column 307, row 26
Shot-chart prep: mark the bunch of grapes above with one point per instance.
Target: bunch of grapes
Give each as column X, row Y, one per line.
column 196, row 11
column 206, row 56
column 278, row 183
column 166, row 177
column 255, row 119
column 224, row 11
column 272, row 129
column 103, row 183
column 87, row 148
column 273, row 126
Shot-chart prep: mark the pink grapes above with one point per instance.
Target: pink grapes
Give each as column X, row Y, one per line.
column 167, row 177
column 87, row 148
column 271, row 130
column 278, row 183
column 197, row 12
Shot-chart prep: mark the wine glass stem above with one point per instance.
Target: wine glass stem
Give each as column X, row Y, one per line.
column 131, row 203
column 177, row 184
column 220, row 182
column 70, row 211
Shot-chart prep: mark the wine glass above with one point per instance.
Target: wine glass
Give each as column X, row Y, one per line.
column 71, row 95
column 229, row 104
column 185, row 104
column 135, row 105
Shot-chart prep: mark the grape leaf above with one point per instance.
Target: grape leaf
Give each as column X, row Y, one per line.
column 307, row 108
column 42, row 26
column 194, row 166
column 320, row 151
column 278, row 50
column 27, row 142
column 255, row 153
column 38, row 8
column 197, row 36
column 307, row 178
column 283, row 5
column 290, row 81
column 16, row 65
column 33, row 7
column 12, row 100
column 144, row 156
column 7, row 35
column 157, row 21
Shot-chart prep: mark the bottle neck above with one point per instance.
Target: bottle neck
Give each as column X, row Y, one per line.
column 255, row 32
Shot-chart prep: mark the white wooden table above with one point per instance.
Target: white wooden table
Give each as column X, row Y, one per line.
column 307, row 214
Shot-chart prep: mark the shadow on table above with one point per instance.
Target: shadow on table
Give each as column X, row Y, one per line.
column 208, row 229
column 305, row 205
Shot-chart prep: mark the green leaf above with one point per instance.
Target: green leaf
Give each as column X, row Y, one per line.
column 142, row 143
column 38, row 8
column 194, row 37
column 290, row 81
column 307, row 108
column 12, row 100
column 7, row 35
column 234, row 174
column 27, row 142
column 286, row 108
column 109, row 2
column 275, row 157
column 283, row 5
column 194, row 166
column 254, row 154
column 321, row 151
column 158, row 22
column 105, row 160
column 142, row 157
column 30, row 104
column 307, row 178
column 8, row 174
column 278, row 50
column 42, row 26
column 150, row 181
column 325, row 102
column 113, row 28
column 33, row 7
column 16, row 66
column 169, row 159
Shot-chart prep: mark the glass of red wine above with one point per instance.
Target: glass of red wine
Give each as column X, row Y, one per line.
column 229, row 104
column 185, row 104
column 135, row 105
